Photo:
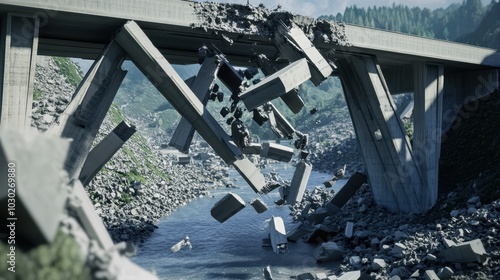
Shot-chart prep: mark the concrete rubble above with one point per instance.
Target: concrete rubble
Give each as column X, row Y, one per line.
column 277, row 234
column 227, row 206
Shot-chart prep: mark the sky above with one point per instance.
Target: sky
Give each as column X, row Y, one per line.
column 316, row 8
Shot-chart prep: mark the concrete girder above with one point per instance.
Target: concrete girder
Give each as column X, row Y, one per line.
column 105, row 150
column 279, row 125
column 157, row 69
column 19, row 45
column 276, row 85
column 85, row 113
column 276, row 151
column 203, row 82
column 299, row 182
column 395, row 177
column 427, row 123
column 294, row 45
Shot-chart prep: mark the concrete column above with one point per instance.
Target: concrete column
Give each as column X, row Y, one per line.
column 394, row 176
column 84, row 115
column 105, row 150
column 427, row 122
column 183, row 135
column 157, row 69
column 19, row 44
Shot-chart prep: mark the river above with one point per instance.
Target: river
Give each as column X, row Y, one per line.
column 233, row 249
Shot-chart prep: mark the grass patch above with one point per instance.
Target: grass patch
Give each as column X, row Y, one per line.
column 72, row 73
column 37, row 95
column 125, row 197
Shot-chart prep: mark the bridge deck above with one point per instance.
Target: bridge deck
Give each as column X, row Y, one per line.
column 81, row 28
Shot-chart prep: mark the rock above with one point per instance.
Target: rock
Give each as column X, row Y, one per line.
column 430, row 275
column 355, row 260
column 445, row 273
column 398, row 250
column 378, row 264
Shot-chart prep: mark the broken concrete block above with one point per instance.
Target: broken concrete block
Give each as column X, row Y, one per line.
column 276, row 151
column 230, row 77
column 35, row 162
column 448, row 243
column 347, row 191
column 259, row 205
column 430, row 275
column 80, row 203
column 252, row 149
column 445, row 273
column 398, row 250
column 306, row 276
column 276, row 85
column 250, row 173
column 321, row 276
column 351, row 275
column 355, row 260
column 293, row 44
column 277, row 233
column 318, row 216
column 471, row 251
column 328, row 251
column 225, row 208
column 349, row 230
column 378, row 264
column 279, row 125
column 299, row 182
column 321, row 233
column 299, row 230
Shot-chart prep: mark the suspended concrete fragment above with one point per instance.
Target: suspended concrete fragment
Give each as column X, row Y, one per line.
column 225, row 208
column 277, row 233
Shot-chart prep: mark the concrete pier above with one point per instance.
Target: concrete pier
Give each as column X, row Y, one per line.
column 105, row 150
column 299, row 182
column 395, row 177
column 18, row 49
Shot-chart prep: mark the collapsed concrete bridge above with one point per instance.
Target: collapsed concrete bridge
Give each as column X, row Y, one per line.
column 372, row 65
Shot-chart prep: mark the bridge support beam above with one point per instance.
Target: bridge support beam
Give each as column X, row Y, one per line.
column 18, row 49
column 84, row 115
column 427, row 122
column 105, row 150
column 183, row 135
column 394, row 175
column 163, row 76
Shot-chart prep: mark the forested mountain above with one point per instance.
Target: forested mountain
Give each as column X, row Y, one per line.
column 448, row 24
column 488, row 32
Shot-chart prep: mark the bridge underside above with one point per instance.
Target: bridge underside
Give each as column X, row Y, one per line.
column 403, row 176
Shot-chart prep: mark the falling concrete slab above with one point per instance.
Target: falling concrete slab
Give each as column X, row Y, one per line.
column 259, row 205
column 251, row 174
column 36, row 160
column 277, row 233
column 328, row 251
column 299, row 182
column 346, row 192
column 162, row 75
column 252, row 149
column 298, row 231
column 465, row 252
column 276, row 151
column 80, row 203
column 293, row 44
column 276, row 85
column 279, row 125
column 105, row 150
column 225, row 208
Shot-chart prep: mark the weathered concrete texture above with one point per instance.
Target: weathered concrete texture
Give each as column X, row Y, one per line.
column 276, row 151
column 394, row 174
column 105, row 150
column 299, row 182
column 276, row 85
column 225, row 208
column 465, row 252
column 84, row 115
column 183, row 134
column 258, row 20
column 80, row 203
column 18, row 49
column 293, row 45
column 40, row 190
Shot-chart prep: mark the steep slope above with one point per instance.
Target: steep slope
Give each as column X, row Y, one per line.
column 488, row 32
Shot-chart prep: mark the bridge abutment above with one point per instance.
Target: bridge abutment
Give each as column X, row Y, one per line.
column 19, row 44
